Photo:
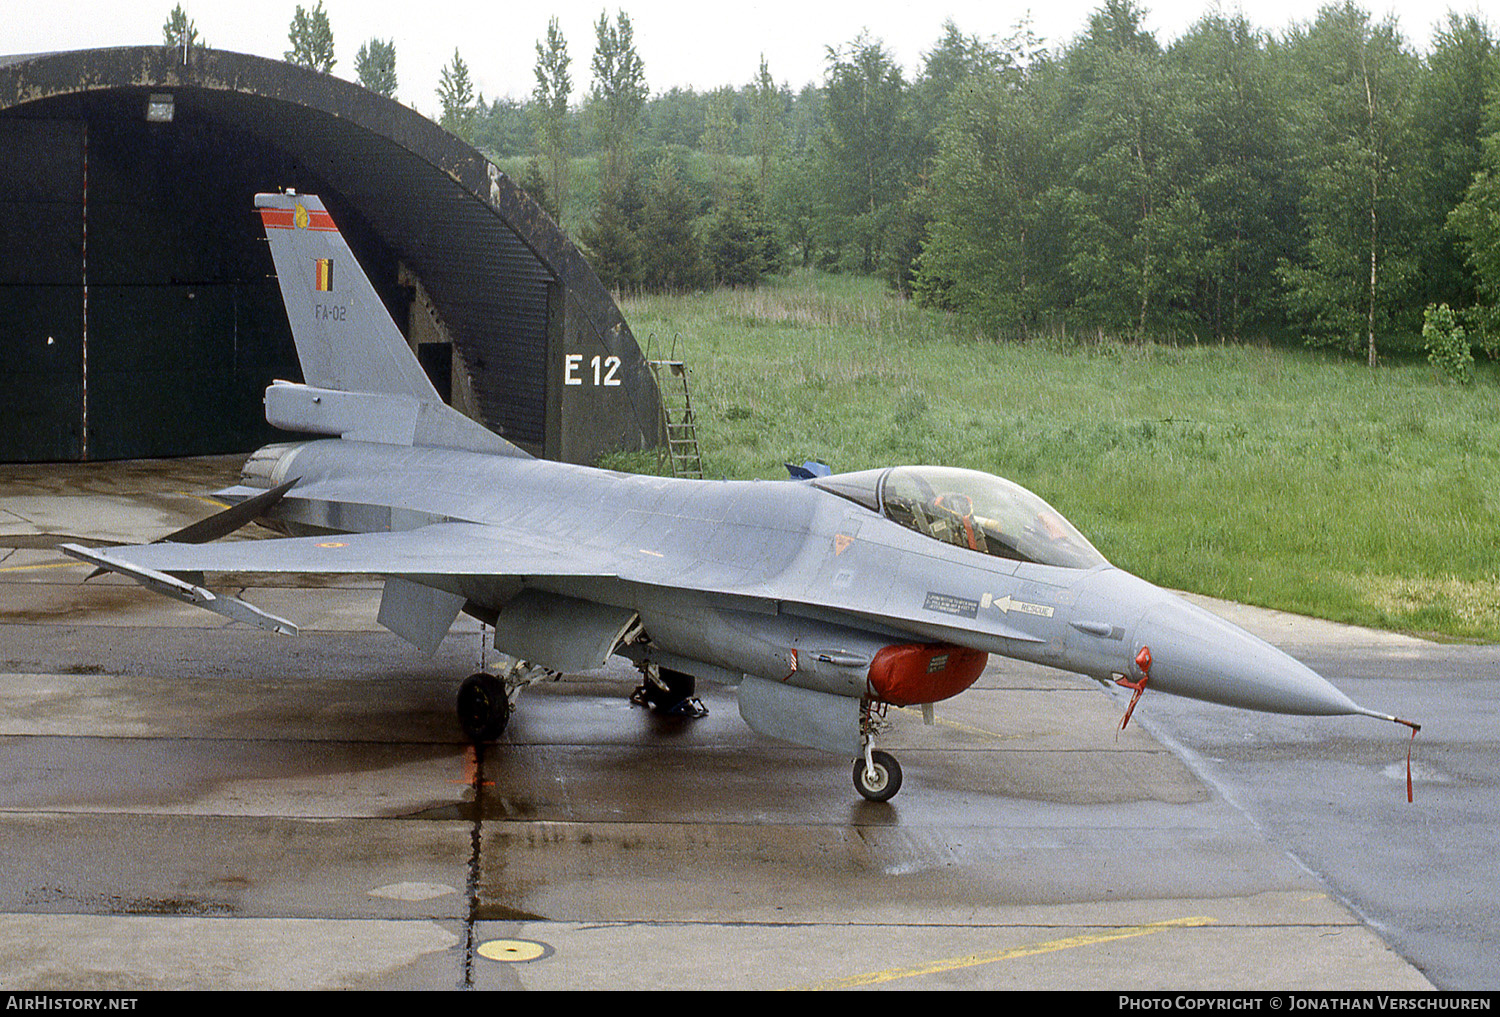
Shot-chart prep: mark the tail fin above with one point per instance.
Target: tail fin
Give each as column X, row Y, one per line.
column 348, row 344
column 345, row 338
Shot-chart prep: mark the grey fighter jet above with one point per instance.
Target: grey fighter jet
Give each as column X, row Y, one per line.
column 823, row 601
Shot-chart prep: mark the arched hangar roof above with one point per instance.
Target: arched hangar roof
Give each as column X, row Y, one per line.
column 511, row 291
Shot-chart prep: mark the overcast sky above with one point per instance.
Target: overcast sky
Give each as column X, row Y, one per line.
column 688, row 43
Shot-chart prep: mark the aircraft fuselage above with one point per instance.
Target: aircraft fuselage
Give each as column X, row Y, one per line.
column 783, row 580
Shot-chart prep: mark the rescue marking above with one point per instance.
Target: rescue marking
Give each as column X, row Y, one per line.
column 1013, row 953
column 1005, row 605
column 841, row 543
column 332, row 543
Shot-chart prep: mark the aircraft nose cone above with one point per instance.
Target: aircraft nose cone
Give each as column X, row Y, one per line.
column 1197, row 654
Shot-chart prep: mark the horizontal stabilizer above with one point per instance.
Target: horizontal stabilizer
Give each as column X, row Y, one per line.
column 224, row 523
column 220, row 524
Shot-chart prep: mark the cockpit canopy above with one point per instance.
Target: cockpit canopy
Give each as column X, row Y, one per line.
column 970, row 509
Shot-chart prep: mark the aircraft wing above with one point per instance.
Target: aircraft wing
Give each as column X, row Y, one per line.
column 439, row 549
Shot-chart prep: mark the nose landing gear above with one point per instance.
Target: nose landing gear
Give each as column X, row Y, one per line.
column 877, row 776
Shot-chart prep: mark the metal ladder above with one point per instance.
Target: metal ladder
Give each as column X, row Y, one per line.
column 677, row 419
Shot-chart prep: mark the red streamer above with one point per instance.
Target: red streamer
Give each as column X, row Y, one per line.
column 1414, row 729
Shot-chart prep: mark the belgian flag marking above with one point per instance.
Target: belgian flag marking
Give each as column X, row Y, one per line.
column 325, row 274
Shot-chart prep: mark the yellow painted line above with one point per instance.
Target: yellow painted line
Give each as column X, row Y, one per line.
column 1014, row 953
column 955, row 725
column 33, row 568
column 216, row 503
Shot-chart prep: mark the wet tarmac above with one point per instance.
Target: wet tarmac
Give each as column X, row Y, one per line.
column 189, row 804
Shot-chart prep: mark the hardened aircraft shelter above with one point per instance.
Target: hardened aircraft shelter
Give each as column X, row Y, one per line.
column 139, row 316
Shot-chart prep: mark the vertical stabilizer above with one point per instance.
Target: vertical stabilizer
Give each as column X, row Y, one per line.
column 345, row 337
column 362, row 381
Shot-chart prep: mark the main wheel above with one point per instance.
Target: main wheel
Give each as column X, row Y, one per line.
column 882, row 785
column 676, row 700
column 483, row 708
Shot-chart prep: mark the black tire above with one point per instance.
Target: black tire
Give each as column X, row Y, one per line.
column 676, row 700
column 483, row 709
column 887, row 779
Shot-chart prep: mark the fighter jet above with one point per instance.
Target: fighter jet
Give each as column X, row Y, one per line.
column 823, row 601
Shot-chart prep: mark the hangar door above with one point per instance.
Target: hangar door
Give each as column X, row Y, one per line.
column 138, row 316
column 41, row 288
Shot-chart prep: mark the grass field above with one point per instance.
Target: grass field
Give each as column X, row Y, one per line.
column 1280, row 477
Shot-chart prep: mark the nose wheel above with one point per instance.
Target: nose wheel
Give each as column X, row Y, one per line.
column 877, row 776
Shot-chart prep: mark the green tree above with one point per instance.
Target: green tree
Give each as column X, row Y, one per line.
column 942, row 90
column 534, row 183
column 549, row 111
column 502, row 128
column 993, row 236
column 718, row 139
column 865, row 151
column 456, row 97
column 674, row 118
column 179, row 30
column 1447, row 345
column 1241, row 181
column 312, row 39
column 1136, row 230
column 741, row 243
column 1354, row 83
column 609, row 238
column 1450, row 118
column 375, row 65
column 955, row 60
column 804, row 120
column 766, row 130
column 671, row 255
column 616, row 96
column 793, row 206
column 1475, row 221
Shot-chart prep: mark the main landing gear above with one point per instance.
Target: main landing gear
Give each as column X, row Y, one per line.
column 668, row 693
column 483, row 707
column 486, row 701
